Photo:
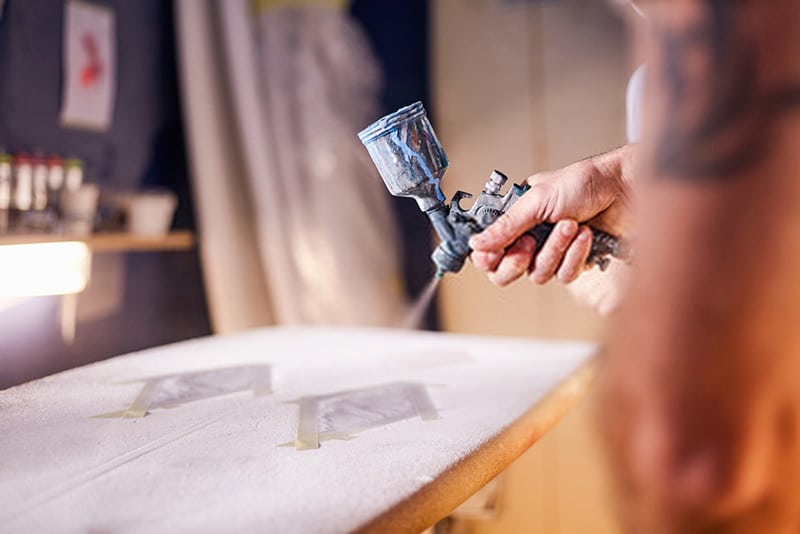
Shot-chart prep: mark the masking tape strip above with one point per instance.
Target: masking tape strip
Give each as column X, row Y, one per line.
column 422, row 401
column 260, row 383
column 308, row 434
column 109, row 415
column 341, row 436
column 141, row 404
column 328, row 436
column 307, row 425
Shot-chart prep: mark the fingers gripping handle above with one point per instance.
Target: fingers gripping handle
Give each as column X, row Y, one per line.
column 603, row 245
column 456, row 226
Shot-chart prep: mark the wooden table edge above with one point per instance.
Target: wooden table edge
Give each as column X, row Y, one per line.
column 450, row 489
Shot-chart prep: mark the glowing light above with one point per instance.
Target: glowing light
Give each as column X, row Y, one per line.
column 39, row 269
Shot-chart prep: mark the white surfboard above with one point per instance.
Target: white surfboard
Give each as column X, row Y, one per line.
column 278, row 430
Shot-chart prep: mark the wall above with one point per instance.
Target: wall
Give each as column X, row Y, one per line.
column 525, row 87
column 136, row 300
column 30, row 88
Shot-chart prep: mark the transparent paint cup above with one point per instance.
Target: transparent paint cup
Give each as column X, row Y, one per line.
column 408, row 155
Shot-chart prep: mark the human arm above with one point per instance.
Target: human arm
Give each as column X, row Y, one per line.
column 700, row 398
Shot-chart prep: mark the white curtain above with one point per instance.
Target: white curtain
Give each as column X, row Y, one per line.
column 273, row 101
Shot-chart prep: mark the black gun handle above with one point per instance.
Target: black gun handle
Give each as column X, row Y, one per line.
column 603, row 245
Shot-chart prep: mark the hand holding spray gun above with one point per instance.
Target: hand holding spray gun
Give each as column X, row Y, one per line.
column 412, row 162
column 594, row 191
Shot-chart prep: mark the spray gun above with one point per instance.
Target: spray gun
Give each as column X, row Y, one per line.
column 412, row 162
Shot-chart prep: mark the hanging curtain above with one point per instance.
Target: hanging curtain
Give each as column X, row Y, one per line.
column 294, row 87
column 236, row 290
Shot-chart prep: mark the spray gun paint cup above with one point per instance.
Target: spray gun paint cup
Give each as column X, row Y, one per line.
column 412, row 162
column 408, row 155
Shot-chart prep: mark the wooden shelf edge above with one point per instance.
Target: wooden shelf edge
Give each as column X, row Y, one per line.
column 113, row 241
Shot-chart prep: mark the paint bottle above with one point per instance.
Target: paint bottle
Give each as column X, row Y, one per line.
column 39, row 189
column 22, row 199
column 55, row 180
column 55, row 172
column 73, row 174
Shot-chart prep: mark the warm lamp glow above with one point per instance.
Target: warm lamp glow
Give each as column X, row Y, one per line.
column 38, row 269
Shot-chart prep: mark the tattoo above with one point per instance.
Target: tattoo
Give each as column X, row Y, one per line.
column 718, row 118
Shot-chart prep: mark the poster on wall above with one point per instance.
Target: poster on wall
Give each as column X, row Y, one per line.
column 90, row 70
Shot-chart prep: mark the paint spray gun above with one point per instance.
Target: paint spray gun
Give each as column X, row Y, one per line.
column 412, row 162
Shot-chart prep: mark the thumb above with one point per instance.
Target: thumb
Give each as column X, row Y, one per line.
column 523, row 215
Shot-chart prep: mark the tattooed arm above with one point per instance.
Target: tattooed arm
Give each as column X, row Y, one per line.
column 701, row 394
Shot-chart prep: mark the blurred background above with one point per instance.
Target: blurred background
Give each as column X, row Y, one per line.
column 240, row 118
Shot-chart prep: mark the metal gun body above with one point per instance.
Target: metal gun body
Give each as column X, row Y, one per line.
column 452, row 252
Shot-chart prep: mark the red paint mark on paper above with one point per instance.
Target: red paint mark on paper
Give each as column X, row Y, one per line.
column 91, row 72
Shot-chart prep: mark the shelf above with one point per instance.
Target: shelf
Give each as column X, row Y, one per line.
column 112, row 241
